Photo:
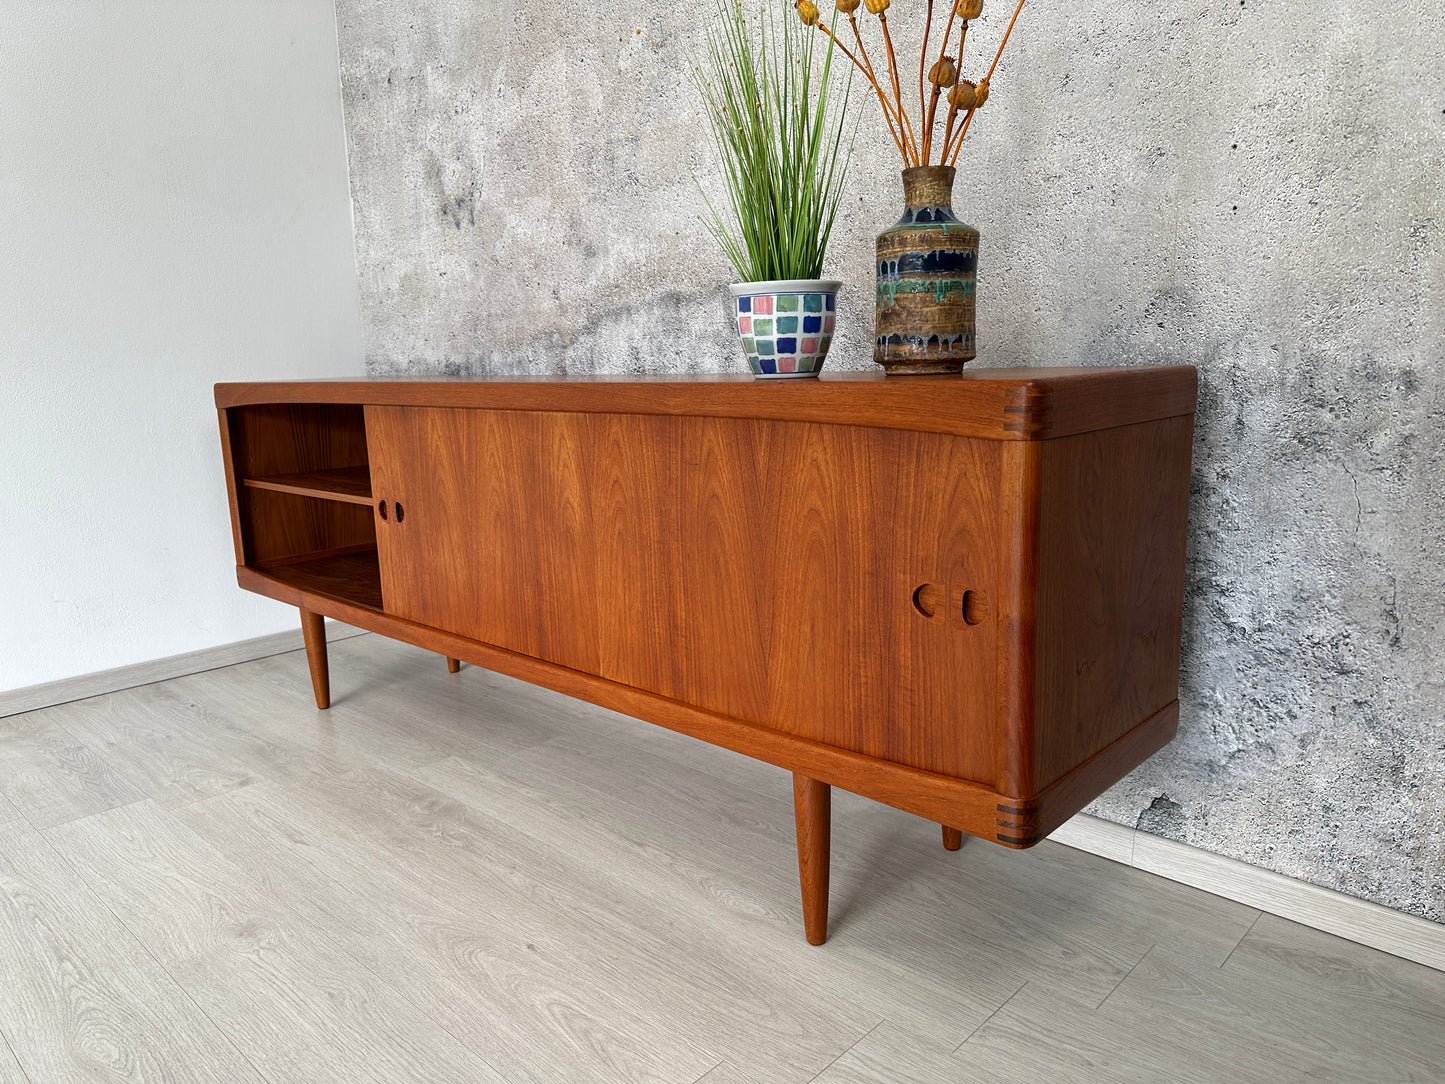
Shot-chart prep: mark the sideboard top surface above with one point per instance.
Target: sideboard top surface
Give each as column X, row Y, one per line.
column 997, row 404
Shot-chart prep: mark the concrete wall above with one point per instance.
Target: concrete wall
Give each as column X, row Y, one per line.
column 173, row 212
column 1253, row 187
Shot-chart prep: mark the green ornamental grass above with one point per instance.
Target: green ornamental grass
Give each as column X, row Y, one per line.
column 777, row 124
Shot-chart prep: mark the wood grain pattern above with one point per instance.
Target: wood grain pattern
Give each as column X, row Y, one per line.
column 293, row 743
column 181, row 741
column 889, row 1053
column 81, row 1000
column 754, row 570
column 8, row 812
column 1025, row 821
column 1013, row 730
column 1407, row 936
column 690, row 819
column 1112, row 531
column 1056, row 401
column 10, row 1072
column 421, row 890
column 233, row 485
column 812, row 809
column 1169, row 1019
column 313, row 631
column 298, row 1003
column 285, row 438
column 271, row 440
column 49, row 777
column 349, row 484
column 350, row 577
column 674, row 838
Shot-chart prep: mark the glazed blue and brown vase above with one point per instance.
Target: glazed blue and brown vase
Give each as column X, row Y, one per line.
column 927, row 263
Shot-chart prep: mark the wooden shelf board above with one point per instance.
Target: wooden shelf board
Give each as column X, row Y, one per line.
column 354, row 578
column 349, row 484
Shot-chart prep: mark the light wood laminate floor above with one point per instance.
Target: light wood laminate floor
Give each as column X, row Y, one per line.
column 463, row 878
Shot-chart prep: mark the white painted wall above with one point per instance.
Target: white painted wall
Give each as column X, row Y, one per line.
column 173, row 212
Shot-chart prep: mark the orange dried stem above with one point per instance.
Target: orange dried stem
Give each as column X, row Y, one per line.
column 942, row 52
column 962, row 131
column 928, row 129
column 1006, row 34
column 873, row 78
column 867, row 71
column 898, row 91
column 922, row 60
column 952, row 112
column 969, row 119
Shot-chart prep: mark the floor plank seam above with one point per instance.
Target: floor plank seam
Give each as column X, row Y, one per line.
column 160, row 964
column 990, row 1016
column 711, row 1070
column 1241, row 939
column 86, row 816
column 843, row 1052
column 15, row 1057
column 1125, row 979
column 171, row 807
column 101, row 759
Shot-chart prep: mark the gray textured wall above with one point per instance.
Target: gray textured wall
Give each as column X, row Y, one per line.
column 1251, row 187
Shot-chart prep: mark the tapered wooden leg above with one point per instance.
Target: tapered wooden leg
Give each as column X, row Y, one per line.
column 952, row 838
column 453, row 665
column 813, row 806
column 313, row 630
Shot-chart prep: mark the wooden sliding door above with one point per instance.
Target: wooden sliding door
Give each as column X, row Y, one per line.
column 834, row 582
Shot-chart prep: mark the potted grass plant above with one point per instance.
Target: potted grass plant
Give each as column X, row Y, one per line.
column 776, row 118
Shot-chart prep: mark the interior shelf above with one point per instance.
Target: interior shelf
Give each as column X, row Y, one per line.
column 349, row 484
column 350, row 577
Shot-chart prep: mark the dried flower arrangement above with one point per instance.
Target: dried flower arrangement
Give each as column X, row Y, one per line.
column 965, row 97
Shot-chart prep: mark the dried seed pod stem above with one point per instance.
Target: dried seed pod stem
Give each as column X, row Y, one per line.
column 963, row 96
column 922, row 61
column 928, row 127
column 910, row 138
column 982, row 83
column 943, row 74
column 866, row 67
column 942, row 50
column 916, row 143
column 888, row 114
column 952, row 105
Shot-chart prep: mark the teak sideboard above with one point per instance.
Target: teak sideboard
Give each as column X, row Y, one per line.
column 959, row 595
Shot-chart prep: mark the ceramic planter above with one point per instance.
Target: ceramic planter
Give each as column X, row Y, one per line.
column 926, row 266
column 786, row 325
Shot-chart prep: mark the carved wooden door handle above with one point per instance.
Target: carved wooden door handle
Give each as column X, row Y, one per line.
column 939, row 603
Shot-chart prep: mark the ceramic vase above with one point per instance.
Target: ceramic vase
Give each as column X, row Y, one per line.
column 926, row 277
column 786, row 325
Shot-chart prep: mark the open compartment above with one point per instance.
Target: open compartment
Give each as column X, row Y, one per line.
column 303, row 497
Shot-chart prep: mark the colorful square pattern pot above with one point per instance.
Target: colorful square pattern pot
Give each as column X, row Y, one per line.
column 785, row 326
